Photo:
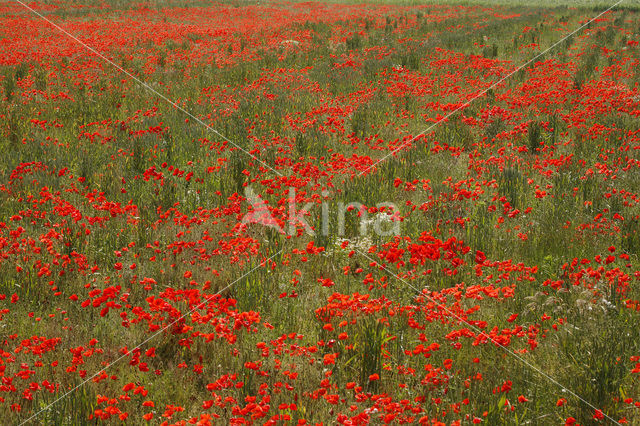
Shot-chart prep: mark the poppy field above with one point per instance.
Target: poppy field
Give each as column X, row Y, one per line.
column 282, row 212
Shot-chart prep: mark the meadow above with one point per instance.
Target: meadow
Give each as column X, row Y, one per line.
column 319, row 213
